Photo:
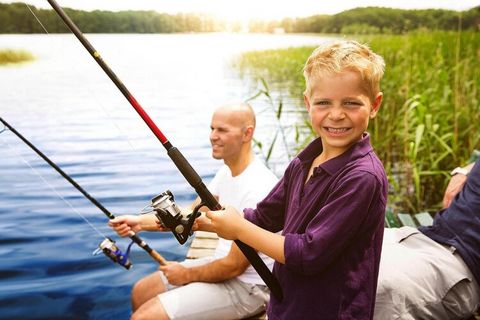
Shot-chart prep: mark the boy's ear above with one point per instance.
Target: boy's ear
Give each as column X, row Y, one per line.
column 376, row 105
column 307, row 102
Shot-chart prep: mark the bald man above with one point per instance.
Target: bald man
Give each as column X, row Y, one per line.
column 224, row 286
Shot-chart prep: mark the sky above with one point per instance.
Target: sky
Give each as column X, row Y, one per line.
column 253, row 9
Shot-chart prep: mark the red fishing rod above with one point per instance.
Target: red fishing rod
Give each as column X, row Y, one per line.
column 180, row 161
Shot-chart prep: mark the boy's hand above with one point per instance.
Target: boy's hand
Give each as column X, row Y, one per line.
column 126, row 225
column 226, row 223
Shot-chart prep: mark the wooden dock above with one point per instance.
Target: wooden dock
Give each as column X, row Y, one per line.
column 203, row 245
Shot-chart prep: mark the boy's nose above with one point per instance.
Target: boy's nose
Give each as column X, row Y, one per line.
column 336, row 113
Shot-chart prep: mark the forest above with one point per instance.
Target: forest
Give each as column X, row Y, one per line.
column 17, row 18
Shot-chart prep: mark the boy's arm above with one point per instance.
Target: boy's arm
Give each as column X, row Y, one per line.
column 269, row 213
column 349, row 215
column 271, row 244
column 229, row 224
column 228, row 267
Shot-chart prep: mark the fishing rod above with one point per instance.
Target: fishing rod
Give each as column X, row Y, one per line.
column 176, row 156
column 108, row 245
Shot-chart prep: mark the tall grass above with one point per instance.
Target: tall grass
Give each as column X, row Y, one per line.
column 8, row 56
column 430, row 116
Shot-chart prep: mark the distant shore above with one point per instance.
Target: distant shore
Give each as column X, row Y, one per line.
column 8, row 56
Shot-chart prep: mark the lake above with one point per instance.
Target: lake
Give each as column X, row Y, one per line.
column 69, row 109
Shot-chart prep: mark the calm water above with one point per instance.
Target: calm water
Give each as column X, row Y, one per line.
column 65, row 105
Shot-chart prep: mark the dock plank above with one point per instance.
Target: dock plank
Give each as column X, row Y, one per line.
column 203, row 245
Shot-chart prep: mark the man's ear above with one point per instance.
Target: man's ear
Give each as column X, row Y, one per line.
column 248, row 133
column 376, row 105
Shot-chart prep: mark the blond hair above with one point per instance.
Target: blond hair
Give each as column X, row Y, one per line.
column 338, row 56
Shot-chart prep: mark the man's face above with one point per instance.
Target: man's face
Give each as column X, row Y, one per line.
column 226, row 136
column 340, row 110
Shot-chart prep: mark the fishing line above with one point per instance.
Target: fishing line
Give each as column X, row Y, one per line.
column 17, row 154
column 108, row 245
column 174, row 153
column 123, row 135
column 31, row 11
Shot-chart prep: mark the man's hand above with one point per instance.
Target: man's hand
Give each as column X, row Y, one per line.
column 126, row 225
column 454, row 187
column 226, row 223
column 176, row 273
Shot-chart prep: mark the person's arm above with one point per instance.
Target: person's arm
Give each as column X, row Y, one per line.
column 336, row 224
column 128, row 225
column 229, row 224
column 228, row 267
column 269, row 214
column 455, row 185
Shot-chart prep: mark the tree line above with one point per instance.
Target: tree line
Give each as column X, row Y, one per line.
column 377, row 20
column 16, row 18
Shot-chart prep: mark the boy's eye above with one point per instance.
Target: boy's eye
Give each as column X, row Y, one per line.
column 322, row 103
column 352, row 103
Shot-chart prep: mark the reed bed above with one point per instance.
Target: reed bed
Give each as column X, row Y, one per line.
column 430, row 116
column 8, row 56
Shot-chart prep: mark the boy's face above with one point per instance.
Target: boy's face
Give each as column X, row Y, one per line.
column 339, row 110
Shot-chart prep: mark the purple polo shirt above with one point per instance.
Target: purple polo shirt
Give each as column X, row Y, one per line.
column 333, row 228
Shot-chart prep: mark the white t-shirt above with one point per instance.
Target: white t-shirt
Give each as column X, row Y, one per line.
column 240, row 192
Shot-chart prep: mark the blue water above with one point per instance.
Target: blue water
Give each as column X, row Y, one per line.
column 67, row 107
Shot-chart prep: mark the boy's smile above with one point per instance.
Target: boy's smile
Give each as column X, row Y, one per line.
column 339, row 110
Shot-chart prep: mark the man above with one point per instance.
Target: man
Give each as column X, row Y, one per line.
column 434, row 272
column 224, row 286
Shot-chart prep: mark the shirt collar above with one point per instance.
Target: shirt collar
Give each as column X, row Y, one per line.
column 359, row 149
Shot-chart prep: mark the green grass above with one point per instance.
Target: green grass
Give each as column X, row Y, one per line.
column 430, row 116
column 8, row 56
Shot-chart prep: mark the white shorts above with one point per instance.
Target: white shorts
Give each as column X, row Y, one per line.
column 231, row 299
column 422, row 279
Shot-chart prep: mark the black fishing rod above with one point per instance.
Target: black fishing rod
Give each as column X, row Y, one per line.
column 180, row 161
column 105, row 245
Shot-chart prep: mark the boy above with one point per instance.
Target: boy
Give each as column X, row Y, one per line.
column 331, row 200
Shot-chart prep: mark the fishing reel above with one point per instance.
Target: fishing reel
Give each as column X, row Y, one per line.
column 111, row 250
column 171, row 217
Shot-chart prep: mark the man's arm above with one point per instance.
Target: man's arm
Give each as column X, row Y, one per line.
column 228, row 267
column 129, row 224
column 455, row 185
